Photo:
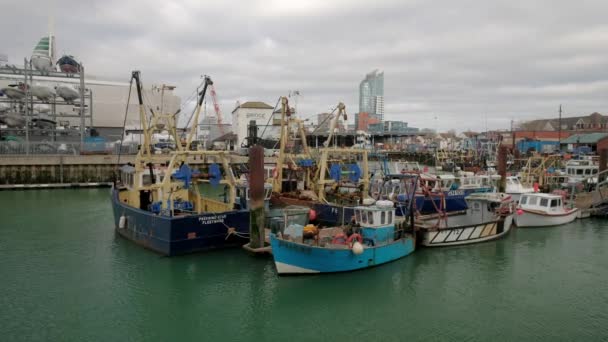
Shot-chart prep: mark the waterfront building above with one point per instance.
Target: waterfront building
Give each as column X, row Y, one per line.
column 587, row 123
column 259, row 112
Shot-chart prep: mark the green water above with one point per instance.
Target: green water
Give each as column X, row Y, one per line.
column 65, row 276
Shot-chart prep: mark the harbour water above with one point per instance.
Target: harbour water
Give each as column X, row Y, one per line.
column 66, row 276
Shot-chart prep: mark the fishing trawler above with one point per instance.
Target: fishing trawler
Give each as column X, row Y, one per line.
column 374, row 238
column 489, row 216
column 158, row 202
column 331, row 184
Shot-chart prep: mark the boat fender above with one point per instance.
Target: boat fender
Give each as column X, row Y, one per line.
column 354, row 236
column 357, row 248
column 275, row 173
column 312, row 215
column 520, row 212
column 368, row 201
column 122, row 222
column 387, row 204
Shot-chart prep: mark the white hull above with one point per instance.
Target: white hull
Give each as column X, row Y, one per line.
column 42, row 63
column 283, row 268
column 531, row 219
column 13, row 93
column 469, row 235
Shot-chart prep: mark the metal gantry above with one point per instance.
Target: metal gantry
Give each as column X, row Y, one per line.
column 65, row 128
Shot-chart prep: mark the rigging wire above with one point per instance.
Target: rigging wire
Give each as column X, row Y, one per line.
column 270, row 118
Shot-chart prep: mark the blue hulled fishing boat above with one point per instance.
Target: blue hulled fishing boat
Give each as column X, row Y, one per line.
column 373, row 238
column 157, row 202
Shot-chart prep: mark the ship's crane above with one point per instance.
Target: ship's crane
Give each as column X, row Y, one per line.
column 216, row 107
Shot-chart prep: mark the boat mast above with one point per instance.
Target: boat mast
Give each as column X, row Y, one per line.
column 142, row 114
column 199, row 105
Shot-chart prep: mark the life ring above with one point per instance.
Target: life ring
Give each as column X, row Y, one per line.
column 339, row 239
column 354, row 236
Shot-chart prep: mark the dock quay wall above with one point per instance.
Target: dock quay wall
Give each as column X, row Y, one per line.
column 61, row 169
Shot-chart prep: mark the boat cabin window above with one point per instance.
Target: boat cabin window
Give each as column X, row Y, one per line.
column 524, row 200
column 555, row 203
column 544, row 202
column 146, row 180
column 383, row 218
column 390, row 217
column 358, row 215
column 533, row 200
column 364, row 217
column 370, row 218
column 587, row 171
column 579, row 171
column 595, row 171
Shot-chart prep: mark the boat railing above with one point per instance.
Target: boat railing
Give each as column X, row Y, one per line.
column 64, row 148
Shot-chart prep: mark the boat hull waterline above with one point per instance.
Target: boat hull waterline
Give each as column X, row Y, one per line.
column 296, row 258
column 530, row 218
column 465, row 235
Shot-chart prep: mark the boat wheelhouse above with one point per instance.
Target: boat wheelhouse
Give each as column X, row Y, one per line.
column 540, row 210
column 515, row 188
column 374, row 238
column 581, row 169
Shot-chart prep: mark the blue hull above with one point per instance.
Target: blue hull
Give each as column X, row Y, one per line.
column 454, row 201
column 180, row 235
column 295, row 258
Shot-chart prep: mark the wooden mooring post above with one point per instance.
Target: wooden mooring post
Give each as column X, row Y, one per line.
column 603, row 161
column 502, row 168
column 256, row 201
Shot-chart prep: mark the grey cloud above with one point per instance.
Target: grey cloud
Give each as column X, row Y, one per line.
column 466, row 63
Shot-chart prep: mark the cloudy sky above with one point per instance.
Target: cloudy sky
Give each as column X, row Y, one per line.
column 466, row 64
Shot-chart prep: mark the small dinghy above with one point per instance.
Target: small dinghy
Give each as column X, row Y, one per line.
column 68, row 93
column 372, row 239
column 14, row 91
column 43, row 93
column 541, row 210
column 489, row 216
column 68, row 64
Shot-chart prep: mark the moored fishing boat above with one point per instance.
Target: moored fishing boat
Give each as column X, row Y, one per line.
column 374, row 239
column 515, row 188
column 541, row 210
column 489, row 216
column 331, row 184
column 158, row 203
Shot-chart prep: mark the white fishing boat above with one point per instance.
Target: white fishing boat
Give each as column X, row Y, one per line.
column 540, row 210
column 516, row 189
column 581, row 169
column 489, row 216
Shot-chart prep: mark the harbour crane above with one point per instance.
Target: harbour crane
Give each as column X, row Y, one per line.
column 216, row 107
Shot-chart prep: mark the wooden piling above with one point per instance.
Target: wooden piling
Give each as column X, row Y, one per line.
column 603, row 161
column 256, row 201
column 502, row 168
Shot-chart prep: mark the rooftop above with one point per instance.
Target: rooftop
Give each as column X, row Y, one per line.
column 254, row 105
column 589, row 138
